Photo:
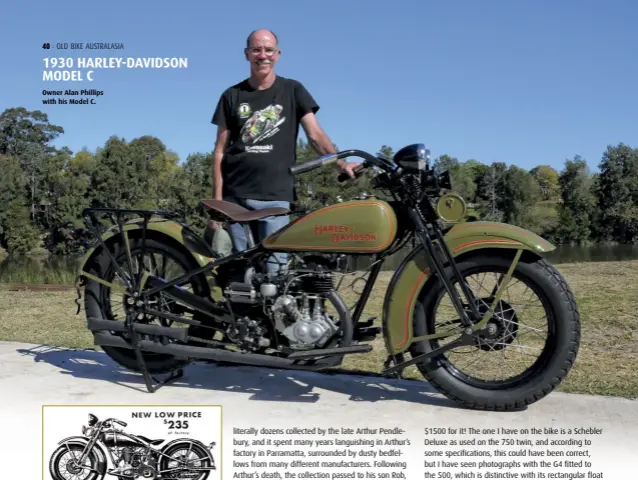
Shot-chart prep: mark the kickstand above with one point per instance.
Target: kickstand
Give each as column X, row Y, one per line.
column 393, row 360
column 148, row 378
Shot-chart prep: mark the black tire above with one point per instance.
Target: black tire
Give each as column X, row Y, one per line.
column 55, row 467
column 193, row 447
column 549, row 370
column 94, row 302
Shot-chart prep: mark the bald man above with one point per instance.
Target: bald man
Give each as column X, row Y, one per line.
column 258, row 122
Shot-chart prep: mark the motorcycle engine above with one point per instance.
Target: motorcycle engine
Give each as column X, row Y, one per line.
column 300, row 313
column 304, row 325
column 296, row 302
column 138, row 463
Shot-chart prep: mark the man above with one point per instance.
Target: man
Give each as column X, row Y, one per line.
column 258, row 122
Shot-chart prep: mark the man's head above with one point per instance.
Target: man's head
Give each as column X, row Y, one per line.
column 262, row 51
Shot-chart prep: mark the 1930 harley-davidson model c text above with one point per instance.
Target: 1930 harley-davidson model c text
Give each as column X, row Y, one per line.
column 226, row 309
column 132, row 456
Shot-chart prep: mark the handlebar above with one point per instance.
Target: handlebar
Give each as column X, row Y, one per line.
column 315, row 163
column 368, row 160
column 114, row 420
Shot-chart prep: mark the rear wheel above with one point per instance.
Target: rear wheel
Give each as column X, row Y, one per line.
column 184, row 459
column 522, row 356
column 160, row 259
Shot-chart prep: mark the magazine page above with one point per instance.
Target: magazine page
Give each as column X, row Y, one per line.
column 318, row 241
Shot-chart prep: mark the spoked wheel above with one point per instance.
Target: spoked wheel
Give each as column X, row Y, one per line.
column 523, row 353
column 185, row 459
column 159, row 259
column 65, row 464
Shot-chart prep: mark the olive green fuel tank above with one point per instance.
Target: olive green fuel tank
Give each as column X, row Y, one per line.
column 358, row 226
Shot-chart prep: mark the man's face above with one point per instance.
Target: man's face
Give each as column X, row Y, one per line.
column 262, row 53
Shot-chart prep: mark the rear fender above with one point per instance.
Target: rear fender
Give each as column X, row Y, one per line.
column 414, row 272
column 158, row 229
column 83, row 441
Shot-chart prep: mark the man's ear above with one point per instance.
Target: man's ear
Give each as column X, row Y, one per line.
column 246, row 54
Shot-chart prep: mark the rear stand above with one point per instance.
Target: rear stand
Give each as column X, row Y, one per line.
column 148, row 378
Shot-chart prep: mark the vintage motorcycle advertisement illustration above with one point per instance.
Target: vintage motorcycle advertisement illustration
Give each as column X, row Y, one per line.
column 106, row 448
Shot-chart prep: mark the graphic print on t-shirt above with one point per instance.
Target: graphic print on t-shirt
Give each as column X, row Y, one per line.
column 261, row 125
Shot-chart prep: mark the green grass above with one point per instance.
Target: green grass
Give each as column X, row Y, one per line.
column 45, row 276
column 607, row 295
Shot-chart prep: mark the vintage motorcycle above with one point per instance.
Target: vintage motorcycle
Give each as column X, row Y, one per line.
column 228, row 310
column 133, row 456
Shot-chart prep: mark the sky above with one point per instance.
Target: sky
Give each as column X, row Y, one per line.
column 525, row 83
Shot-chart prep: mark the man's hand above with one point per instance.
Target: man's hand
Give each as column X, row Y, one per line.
column 348, row 168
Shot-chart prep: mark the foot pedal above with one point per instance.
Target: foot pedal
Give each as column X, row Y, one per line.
column 366, row 332
column 368, row 323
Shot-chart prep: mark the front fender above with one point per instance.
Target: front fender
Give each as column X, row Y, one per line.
column 158, row 229
column 414, row 272
column 83, row 441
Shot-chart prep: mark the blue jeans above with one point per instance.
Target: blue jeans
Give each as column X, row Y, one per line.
column 266, row 226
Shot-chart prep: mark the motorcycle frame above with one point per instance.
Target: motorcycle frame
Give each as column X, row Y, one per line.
column 100, row 430
column 431, row 243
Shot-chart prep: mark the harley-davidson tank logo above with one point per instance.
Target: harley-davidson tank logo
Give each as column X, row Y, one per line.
column 343, row 233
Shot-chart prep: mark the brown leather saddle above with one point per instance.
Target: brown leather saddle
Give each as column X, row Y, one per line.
column 220, row 210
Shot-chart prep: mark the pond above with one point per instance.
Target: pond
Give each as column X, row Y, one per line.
column 61, row 269
column 562, row 254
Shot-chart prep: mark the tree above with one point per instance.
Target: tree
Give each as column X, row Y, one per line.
column 547, row 179
column 20, row 127
column 27, row 135
column 575, row 210
column 617, row 194
column 519, row 193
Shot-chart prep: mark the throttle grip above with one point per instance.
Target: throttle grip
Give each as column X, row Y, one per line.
column 357, row 171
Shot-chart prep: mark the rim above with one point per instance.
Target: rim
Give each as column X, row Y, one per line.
column 515, row 334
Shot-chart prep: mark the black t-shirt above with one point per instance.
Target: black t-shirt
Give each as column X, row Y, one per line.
column 263, row 126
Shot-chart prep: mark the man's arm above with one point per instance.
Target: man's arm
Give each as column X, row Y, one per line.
column 218, row 154
column 320, row 142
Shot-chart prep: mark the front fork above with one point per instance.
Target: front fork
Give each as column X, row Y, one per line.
column 428, row 236
column 85, row 453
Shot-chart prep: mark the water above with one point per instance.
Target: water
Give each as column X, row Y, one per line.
column 562, row 254
column 61, row 269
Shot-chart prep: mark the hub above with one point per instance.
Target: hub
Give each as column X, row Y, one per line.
column 500, row 330
column 73, row 468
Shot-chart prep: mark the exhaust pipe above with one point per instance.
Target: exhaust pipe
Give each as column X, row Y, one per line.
column 97, row 324
column 215, row 354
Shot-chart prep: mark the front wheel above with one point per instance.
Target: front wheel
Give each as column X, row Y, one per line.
column 65, row 464
column 528, row 348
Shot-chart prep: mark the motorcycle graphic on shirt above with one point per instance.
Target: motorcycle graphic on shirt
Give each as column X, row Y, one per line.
column 262, row 124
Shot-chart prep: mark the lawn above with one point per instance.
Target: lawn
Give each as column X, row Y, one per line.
column 607, row 295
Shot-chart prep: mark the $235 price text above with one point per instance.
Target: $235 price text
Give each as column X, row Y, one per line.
column 168, row 417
